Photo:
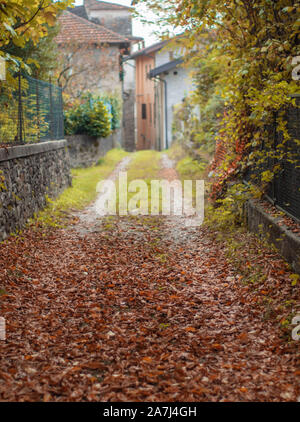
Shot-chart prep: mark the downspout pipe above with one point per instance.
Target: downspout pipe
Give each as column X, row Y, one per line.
column 166, row 111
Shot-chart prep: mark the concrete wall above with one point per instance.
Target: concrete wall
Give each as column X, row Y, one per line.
column 129, row 135
column 27, row 174
column 85, row 151
column 129, row 143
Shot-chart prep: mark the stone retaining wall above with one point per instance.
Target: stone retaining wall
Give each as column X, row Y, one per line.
column 86, row 150
column 29, row 173
column 287, row 243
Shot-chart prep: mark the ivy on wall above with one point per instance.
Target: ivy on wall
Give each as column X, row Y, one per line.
column 243, row 53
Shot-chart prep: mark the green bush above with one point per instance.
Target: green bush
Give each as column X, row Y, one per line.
column 91, row 117
column 114, row 104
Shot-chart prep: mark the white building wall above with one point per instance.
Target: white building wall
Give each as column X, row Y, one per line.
column 129, row 77
column 165, row 56
column 178, row 87
column 162, row 57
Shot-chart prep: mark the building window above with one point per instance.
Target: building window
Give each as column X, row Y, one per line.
column 144, row 111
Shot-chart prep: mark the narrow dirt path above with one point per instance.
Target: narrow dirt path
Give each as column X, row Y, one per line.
column 135, row 309
column 88, row 218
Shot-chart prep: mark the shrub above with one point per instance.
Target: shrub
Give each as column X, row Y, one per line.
column 114, row 104
column 91, row 117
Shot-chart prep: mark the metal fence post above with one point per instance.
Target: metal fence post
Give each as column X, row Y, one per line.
column 20, row 109
column 274, row 157
column 38, row 109
column 62, row 124
column 51, row 110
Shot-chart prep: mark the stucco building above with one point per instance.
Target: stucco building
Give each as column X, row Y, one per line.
column 172, row 85
column 161, row 83
column 113, row 16
column 90, row 56
column 93, row 40
column 144, row 61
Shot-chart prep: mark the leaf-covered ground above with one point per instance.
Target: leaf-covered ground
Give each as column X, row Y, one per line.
column 140, row 309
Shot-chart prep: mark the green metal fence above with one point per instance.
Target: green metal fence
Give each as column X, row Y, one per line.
column 284, row 189
column 30, row 111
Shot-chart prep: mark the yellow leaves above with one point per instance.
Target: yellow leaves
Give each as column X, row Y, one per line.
column 259, row 78
column 267, row 176
column 10, row 29
column 295, row 278
column 28, row 20
column 50, row 18
column 288, row 9
column 284, row 322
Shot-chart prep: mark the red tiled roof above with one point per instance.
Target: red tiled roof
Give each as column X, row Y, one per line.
column 75, row 28
column 103, row 5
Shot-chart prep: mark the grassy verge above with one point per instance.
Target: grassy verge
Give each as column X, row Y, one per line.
column 187, row 167
column 145, row 165
column 81, row 193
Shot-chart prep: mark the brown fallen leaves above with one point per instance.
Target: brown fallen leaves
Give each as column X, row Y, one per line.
column 104, row 317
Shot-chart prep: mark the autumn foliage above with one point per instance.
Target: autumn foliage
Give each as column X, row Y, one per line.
column 26, row 20
column 242, row 52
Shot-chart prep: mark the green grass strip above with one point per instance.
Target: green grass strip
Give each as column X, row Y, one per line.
column 81, row 193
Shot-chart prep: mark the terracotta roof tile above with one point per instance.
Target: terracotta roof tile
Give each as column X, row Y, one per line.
column 75, row 28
